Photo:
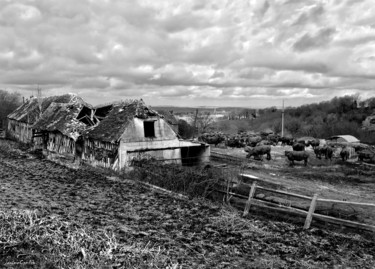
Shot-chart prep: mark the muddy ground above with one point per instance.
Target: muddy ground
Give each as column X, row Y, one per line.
column 191, row 233
column 345, row 181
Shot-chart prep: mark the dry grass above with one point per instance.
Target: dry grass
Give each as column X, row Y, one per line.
column 29, row 237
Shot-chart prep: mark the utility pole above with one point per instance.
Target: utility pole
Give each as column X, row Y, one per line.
column 39, row 96
column 195, row 123
column 282, row 120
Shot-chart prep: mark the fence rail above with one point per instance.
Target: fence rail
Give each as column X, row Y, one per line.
column 253, row 200
column 215, row 156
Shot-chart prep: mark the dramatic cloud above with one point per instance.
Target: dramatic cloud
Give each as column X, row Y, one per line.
column 241, row 53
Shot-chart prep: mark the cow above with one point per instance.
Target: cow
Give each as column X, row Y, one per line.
column 297, row 156
column 298, row 147
column 325, row 151
column 313, row 143
column 329, row 153
column 235, row 141
column 366, row 154
column 274, row 138
column 345, row 153
column 258, row 152
column 266, row 143
column 253, row 141
column 286, row 140
column 212, row 138
column 319, row 151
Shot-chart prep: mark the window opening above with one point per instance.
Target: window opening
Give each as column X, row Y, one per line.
column 149, row 128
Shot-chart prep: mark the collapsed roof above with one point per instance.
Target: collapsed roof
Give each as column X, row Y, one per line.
column 63, row 118
column 31, row 111
column 118, row 117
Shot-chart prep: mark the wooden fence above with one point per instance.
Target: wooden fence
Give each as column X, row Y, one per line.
column 286, row 207
column 215, row 156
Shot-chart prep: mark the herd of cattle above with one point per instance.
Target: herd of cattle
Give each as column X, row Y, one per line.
column 258, row 145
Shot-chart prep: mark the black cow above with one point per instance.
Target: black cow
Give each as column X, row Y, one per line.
column 329, row 153
column 345, row 154
column 286, row 140
column 314, row 143
column 258, row 152
column 253, row 141
column 298, row 147
column 325, row 151
column 319, row 151
column 297, row 156
column 366, row 154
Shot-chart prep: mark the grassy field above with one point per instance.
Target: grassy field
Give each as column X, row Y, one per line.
column 55, row 217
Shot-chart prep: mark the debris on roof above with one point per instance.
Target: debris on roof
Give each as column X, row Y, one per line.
column 114, row 123
column 63, row 118
column 32, row 110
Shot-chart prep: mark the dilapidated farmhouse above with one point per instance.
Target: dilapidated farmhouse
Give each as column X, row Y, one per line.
column 21, row 121
column 111, row 135
column 60, row 126
column 130, row 130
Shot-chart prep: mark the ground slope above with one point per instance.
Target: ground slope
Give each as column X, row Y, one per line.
column 137, row 227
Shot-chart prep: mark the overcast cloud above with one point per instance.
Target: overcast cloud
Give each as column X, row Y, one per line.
column 250, row 53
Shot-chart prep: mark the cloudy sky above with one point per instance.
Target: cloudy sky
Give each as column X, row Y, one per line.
column 251, row 53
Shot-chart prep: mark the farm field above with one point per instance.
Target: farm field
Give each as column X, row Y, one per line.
column 336, row 180
column 119, row 223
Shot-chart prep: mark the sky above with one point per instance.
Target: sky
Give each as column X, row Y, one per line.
column 247, row 53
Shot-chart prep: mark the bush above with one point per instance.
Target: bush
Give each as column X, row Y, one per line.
column 191, row 181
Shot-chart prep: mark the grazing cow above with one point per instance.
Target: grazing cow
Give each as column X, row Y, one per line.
column 258, row 152
column 298, row 147
column 297, row 156
column 286, row 140
column 345, row 153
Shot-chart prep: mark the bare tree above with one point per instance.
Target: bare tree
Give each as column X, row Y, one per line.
column 8, row 103
column 204, row 122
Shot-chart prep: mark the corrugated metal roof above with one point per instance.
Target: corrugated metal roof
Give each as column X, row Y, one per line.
column 346, row 138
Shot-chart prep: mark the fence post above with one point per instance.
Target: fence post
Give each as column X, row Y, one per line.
column 311, row 212
column 251, row 195
column 227, row 189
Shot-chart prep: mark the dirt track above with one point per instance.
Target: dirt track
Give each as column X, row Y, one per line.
column 189, row 232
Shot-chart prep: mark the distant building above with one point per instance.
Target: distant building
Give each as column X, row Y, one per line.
column 344, row 138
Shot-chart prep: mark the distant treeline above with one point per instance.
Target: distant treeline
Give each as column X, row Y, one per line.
column 8, row 103
column 339, row 116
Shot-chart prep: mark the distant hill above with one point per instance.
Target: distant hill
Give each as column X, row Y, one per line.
column 201, row 109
